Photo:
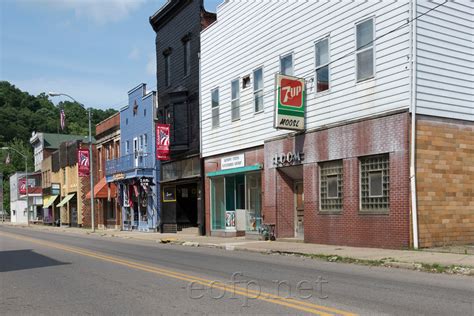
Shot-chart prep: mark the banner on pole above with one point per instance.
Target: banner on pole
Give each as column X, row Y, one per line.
column 83, row 162
column 163, row 141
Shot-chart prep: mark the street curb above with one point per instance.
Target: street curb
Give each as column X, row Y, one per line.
column 416, row 266
column 430, row 268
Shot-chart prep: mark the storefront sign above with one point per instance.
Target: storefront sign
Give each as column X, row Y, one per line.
column 55, row 188
column 233, row 162
column 169, row 194
column 289, row 103
column 288, row 159
column 83, row 162
column 118, row 176
column 163, row 141
column 146, row 183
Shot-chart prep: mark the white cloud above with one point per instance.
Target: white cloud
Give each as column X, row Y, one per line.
column 100, row 11
column 134, row 54
column 151, row 65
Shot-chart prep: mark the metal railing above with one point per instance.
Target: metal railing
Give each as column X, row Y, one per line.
column 130, row 162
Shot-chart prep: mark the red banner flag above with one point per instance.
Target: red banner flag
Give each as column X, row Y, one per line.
column 22, row 186
column 83, row 162
column 162, row 141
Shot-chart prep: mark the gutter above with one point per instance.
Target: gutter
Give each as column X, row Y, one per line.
column 413, row 83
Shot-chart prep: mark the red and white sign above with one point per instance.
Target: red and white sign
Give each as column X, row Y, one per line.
column 289, row 103
column 291, row 92
column 22, row 186
column 162, row 141
column 83, row 162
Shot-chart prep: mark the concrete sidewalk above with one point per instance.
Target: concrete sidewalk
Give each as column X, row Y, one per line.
column 418, row 260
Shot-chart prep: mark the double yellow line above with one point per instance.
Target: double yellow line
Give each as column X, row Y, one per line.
column 235, row 289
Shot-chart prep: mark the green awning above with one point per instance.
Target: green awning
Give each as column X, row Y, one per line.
column 65, row 200
column 48, row 201
column 226, row 172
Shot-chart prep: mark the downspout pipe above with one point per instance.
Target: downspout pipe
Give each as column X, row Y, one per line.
column 413, row 74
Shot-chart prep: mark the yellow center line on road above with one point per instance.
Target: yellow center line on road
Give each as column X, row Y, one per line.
column 234, row 289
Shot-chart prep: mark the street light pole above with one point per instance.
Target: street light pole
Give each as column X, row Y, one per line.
column 91, row 173
column 26, row 182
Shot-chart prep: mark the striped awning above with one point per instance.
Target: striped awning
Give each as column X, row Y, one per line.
column 65, row 200
column 48, row 200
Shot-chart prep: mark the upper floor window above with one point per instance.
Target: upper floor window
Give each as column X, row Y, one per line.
column 145, row 142
column 168, row 70
column 127, row 147
column 100, row 154
column 365, row 50
column 322, row 65
column 215, row 107
column 187, row 57
column 258, row 89
column 235, row 102
column 286, row 65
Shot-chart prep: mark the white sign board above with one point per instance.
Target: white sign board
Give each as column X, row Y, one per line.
column 233, row 162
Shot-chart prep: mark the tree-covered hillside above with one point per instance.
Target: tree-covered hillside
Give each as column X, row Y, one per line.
column 22, row 113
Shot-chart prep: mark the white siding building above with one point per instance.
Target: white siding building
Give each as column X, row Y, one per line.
column 366, row 65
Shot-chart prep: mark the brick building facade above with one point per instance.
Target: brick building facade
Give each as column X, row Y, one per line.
column 445, row 181
column 348, row 223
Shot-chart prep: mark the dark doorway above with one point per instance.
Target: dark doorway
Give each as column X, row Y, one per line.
column 186, row 205
column 73, row 211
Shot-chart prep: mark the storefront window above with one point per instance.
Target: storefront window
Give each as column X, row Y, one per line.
column 254, row 205
column 218, row 205
column 235, row 193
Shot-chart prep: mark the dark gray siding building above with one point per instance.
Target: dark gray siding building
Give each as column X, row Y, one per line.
column 178, row 25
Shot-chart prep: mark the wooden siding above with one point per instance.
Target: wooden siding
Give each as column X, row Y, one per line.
column 256, row 34
column 445, row 60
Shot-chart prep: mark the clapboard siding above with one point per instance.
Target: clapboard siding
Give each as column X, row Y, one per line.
column 256, row 34
column 445, row 60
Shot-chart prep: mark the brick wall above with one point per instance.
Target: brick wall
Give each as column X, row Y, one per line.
column 382, row 135
column 445, row 181
column 108, row 125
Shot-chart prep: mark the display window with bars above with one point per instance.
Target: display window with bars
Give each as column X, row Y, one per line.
column 331, row 185
column 375, row 183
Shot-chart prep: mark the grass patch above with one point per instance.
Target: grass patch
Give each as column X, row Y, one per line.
column 385, row 262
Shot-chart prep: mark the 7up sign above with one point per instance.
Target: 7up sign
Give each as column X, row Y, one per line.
column 289, row 103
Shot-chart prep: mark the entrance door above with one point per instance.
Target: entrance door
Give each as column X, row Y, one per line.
column 299, row 210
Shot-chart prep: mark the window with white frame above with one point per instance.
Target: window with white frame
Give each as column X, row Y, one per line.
column 235, row 102
column 365, row 50
column 145, row 142
column 258, row 89
column 331, row 185
column 375, row 183
column 286, row 65
column 187, row 57
column 322, row 65
column 127, row 147
column 215, row 107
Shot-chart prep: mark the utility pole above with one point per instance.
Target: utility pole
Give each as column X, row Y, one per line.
column 91, row 175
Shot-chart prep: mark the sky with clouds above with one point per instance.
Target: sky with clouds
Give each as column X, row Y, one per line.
column 94, row 50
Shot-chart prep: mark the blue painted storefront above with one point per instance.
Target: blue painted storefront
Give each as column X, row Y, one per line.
column 136, row 173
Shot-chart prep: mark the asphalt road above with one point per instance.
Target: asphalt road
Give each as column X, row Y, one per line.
column 44, row 273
